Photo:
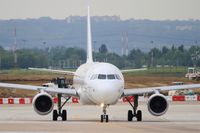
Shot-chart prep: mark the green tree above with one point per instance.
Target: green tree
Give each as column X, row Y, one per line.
column 181, row 48
column 103, row 49
column 164, row 50
column 136, row 57
column 195, row 55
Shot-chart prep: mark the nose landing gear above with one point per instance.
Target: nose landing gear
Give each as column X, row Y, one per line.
column 104, row 116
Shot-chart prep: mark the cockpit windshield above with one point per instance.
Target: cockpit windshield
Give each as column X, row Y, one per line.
column 111, row 76
column 104, row 76
column 101, row 76
column 117, row 77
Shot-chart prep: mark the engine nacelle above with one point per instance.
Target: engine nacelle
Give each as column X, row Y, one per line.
column 43, row 103
column 157, row 104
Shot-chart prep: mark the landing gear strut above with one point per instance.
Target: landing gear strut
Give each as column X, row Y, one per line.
column 59, row 112
column 134, row 113
column 104, row 116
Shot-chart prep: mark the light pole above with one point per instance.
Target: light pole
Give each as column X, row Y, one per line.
column 24, row 41
column 94, row 46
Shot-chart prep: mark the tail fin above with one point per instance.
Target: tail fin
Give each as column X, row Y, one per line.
column 89, row 38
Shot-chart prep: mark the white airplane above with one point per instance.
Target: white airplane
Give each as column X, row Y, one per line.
column 97, row 83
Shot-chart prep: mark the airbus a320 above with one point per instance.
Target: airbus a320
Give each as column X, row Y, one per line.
column 97, row 83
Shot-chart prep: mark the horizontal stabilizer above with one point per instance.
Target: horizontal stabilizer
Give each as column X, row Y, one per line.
column 52, row 70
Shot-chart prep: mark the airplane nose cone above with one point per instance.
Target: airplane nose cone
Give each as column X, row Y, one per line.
column 107, row 93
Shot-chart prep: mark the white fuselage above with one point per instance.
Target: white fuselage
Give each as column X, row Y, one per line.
column 98, row 83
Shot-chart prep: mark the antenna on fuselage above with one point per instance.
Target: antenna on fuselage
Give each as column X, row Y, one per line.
column 89, row 38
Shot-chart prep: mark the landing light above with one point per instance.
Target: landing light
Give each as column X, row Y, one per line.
column 102, row 105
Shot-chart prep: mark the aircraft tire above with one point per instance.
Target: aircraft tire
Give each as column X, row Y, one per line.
column 64, row 115
column 130, row 115
column 101, row 118
column 55, row 115
column 107, row 118
column 139, row 115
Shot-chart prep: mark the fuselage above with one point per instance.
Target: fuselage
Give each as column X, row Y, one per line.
column 98, row 83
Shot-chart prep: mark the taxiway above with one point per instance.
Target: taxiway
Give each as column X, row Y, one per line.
column 182, row 117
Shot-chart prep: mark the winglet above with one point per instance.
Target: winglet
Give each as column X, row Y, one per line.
column 89, row 38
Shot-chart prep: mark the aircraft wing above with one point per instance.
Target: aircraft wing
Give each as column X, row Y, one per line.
column 52, row 70
column 66, row 91
column 133, row 70
column 139, row 91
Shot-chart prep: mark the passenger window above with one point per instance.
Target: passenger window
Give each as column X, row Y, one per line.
column 101, row 76
column 111, row 76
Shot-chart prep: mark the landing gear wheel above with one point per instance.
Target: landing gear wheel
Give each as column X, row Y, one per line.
column 139, row 115
column 130, row 115
column 64, row 115
column 101, row 118
column 106, row 118
column 55, row 115
column 104, row 115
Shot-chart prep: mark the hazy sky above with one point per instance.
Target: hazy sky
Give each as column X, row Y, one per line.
column 138, row 9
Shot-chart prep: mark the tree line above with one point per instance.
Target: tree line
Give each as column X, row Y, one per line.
column 62, row 57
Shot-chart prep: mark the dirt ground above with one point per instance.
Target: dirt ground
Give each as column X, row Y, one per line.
column 130, row 82
column 152, row 81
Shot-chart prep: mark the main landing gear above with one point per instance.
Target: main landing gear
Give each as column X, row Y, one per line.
column 104, row 116
column 134, row 113
column 60, row 81
column 60, row 112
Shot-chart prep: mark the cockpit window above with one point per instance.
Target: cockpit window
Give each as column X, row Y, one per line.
column 101, row 76
column 117, row 76
column 104, row 76
column 111, row 76
column 94, row 77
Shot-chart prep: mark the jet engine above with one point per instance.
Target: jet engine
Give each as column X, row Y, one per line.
column 43, row 103
column 157, row 104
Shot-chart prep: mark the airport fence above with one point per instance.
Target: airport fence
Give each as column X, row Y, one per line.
column 123, row 100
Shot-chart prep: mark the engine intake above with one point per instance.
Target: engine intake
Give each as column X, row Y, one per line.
column 157, row 104
column 43, row 103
